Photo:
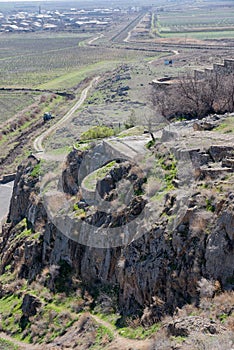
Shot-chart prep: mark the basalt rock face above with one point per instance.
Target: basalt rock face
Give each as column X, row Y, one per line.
column 154, row 274
column 24, row 186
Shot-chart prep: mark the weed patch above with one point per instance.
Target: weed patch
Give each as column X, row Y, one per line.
column 97, row 132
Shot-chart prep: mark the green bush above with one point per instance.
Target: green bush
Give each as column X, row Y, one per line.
column 209, row 205
column 97, row 132
column 139, row 332
column 36, row 170
column 150, row 144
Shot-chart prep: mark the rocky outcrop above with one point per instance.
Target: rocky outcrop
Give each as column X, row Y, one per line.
column 208, row 123
column 184, row 326
column 30, row 305
column 153, row 274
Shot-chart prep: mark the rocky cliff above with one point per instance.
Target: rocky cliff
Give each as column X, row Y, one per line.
column 160, row 270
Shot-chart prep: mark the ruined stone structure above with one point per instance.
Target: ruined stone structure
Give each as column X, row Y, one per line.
column 226, row 68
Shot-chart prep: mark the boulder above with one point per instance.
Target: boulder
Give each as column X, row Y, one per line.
column 220, row 152
column 184, row 326
column 30, row 305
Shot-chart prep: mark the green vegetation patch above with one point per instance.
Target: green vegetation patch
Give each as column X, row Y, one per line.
column 11, row 313
column 168, row 164
column 150, row 144
column 7, row 345
column 36, row 170
column 225, row 34
column 91, row 180
column 209, row 205
column 135, row 131
column 66, row 80
column 162, row 176
column 52, row 319
column 82, row 146
column 139, row 332
column 79, row 213
column 103, row 336
column 97, row 132
column 227, row 127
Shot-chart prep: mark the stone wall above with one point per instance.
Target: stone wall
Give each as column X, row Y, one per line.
column 226, row 68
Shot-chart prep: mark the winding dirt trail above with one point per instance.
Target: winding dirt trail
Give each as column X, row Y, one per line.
column 38, row 142
column 21, row 345
column 121, row 342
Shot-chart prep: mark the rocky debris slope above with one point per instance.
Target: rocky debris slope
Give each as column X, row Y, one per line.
column 161, row 270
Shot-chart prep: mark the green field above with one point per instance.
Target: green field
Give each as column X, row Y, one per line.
column 14, row 102
column 205, row 22
column 49, row 61
column 226, row 34
column 36, row 60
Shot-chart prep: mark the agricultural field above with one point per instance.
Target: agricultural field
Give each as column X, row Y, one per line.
column 52, row 61
column 66, row 61
column 31, row 60
column 14, row 102
column 48, row 62
column 213, row 21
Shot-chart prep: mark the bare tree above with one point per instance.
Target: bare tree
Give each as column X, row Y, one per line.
column 193, row 97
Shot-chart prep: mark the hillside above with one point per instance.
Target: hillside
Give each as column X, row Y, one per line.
column 156, row 266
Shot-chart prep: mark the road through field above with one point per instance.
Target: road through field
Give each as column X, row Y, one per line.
column 38, row 142
column 90, row 42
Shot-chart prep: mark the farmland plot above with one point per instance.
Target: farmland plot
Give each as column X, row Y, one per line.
column 201, row 23
column 13, row 102
column 31, row 61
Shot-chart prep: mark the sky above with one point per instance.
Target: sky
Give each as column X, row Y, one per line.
column 30, row 0
column 34, row 0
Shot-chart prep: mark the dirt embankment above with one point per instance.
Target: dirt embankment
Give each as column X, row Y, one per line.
column 17, row 133
column 21, row 144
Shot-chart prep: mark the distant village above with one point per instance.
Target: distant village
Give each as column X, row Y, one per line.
column 70, row 20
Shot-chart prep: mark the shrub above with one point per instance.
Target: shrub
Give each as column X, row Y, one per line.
column 97, row 132
column 36, row 170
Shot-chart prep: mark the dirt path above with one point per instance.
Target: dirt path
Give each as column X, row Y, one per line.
column 90, row 42
column 127, row 39
column 38, row 142
column 18, row 144
column 20, row 344
column 122, row 343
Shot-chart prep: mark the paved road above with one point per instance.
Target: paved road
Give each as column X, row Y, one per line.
column 5, row 197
